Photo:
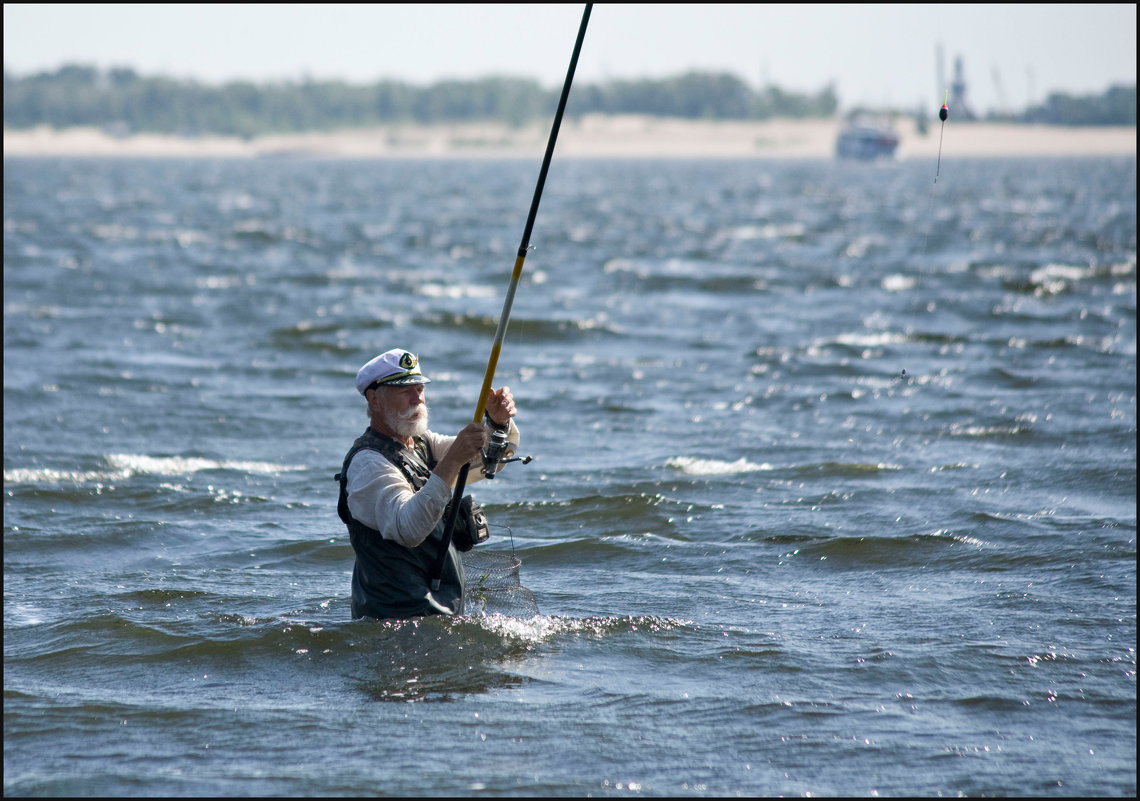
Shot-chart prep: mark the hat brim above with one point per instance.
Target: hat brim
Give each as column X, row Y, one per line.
column 404, row 381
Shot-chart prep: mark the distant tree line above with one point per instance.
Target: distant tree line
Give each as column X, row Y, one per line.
column 121, row 99
column 1116, row 106
column 76, row 95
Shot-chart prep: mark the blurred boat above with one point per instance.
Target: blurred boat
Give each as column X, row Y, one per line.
column 866, row 138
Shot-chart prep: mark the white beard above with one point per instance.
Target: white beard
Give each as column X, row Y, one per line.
column 408, row 423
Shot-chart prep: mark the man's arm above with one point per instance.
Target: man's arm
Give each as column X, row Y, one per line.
column 380, row 497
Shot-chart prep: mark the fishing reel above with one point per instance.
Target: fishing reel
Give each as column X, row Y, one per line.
column 493, row 454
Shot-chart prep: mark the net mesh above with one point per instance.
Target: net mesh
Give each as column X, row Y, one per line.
column 493, row 587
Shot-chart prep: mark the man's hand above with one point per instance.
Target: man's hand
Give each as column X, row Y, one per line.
column 501, row 406
column 468, row 442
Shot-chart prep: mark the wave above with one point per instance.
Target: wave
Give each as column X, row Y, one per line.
column 989, row 431
column 898, row 283
column 952, row 549
column 842, row 469
column 714, row 467
column 896, row 552
column 433, row 658
column 456, row 291
column 120, row 466
column 522, row 327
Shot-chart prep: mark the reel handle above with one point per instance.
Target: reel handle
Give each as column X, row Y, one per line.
column 493, row 454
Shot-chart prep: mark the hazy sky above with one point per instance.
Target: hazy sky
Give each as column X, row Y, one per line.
column 874, row 54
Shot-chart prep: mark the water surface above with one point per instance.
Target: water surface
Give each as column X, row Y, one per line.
column 768, row 560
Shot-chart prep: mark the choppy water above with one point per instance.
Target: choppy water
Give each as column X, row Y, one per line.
column 767, row 561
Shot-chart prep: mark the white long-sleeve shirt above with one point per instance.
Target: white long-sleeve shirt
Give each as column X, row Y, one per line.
column 381, row 497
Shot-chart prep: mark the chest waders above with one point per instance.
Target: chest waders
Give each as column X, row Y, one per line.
column 390, row 580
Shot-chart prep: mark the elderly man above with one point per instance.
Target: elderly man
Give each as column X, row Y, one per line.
column 395, row 484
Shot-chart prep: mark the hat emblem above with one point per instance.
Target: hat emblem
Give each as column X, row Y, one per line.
column 408, row 361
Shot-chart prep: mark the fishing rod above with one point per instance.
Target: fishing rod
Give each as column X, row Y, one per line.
column 501, row 332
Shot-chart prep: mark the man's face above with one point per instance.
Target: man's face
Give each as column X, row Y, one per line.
column 403, row 409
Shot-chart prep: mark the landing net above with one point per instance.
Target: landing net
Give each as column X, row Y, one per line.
column 492, row 585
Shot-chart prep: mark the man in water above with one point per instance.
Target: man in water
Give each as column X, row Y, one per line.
column 395, row 485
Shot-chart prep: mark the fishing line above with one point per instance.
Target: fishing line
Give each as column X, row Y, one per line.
column 943, row 115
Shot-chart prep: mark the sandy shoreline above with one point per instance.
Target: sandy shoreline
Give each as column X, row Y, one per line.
column 590, row 137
